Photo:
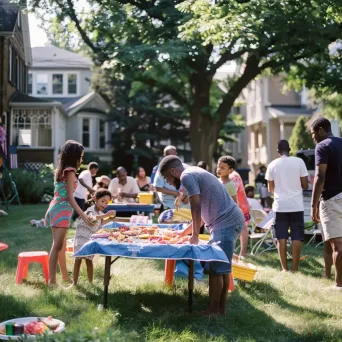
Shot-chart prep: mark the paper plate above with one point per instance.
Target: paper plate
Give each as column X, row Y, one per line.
column 24, row 321
column 100, row 236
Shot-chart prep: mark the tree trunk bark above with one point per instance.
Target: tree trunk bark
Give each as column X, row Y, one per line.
column 203, row 129
column 203, row 137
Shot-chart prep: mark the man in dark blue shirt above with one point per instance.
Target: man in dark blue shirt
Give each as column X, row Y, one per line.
column 326, row 204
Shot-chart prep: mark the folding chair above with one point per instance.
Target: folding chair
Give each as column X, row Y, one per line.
column 264, row 238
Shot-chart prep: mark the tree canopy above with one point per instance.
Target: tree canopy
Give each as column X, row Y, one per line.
column 177, row 47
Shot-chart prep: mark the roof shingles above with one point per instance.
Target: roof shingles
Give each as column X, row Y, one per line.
column 8, row 15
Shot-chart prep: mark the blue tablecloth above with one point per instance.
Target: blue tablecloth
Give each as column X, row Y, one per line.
column 124, row 208
column 106, row 247
column 146, row 250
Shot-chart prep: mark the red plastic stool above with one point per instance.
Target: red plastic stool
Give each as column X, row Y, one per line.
column 3, row 246
column 231, row 286
column 25, row 258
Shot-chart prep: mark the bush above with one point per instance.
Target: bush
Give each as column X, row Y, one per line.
column 31, row 186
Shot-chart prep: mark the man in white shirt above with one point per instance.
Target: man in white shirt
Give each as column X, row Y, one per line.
column 85, row 184
column 287, row 178
column 124, row 188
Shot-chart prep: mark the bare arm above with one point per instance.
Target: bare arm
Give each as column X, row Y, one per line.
column 304, row 182
column 167, row 191
column 235, row 199
column 124, row 194
column 195, row 204
column 91, row 190
column 318, row 184
column 70, row 193
column 270, row 186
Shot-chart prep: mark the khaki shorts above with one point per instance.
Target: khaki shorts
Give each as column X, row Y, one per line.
column 330, row 213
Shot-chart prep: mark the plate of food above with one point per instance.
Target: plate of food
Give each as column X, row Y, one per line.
column 14, row 329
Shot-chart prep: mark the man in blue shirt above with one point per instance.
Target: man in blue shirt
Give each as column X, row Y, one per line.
column 326, row 204
column 168, row 151
column 166, row 192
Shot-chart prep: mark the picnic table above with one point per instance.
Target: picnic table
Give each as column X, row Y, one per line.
column 112, row 251
column 131, row 207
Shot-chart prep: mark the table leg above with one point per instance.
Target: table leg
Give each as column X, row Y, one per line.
column 191, row 283
column 169, row 272
column 106, row 280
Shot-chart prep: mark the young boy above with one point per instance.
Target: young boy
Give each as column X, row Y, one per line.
column 253, row 203
column 222, row 172
column 84, row 231
column 210, row 204
column 242, row 200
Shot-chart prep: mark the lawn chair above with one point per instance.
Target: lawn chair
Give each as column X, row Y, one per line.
column 13, row 195
column 311, row 228
column 264, row 238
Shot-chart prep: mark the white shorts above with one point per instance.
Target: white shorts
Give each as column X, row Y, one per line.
column 330, row 213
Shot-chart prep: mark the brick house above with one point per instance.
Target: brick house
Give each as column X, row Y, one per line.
column 15, row 60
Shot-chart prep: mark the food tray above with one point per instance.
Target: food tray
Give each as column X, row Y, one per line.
column 243, row 271
column 24, row 321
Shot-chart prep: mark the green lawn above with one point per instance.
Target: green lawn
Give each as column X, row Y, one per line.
column 276, row 307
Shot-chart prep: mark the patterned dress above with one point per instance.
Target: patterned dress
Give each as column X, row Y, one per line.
column 60, row 210
column 84, row 232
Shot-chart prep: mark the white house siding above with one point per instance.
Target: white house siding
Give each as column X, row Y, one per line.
column 75, row 129
column 82, row 83
column 59, row 132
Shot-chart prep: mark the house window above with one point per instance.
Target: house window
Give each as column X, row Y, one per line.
column 18, row 72
column 86, row 132
column 32, row 127
column 10, row 63
column 42, row 84
column 57, row 83
column 102, row 134
column 29, row 84
column 72, row 83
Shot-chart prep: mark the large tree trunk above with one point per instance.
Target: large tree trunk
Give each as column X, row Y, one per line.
column 203, row 129
column 203, row 137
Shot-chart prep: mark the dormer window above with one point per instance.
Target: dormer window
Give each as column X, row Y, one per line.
column 72, row 83
column 29, row 84
column 42, row 84
column 57, row 84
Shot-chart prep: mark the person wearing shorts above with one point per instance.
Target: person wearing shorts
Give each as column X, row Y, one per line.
column 326, row 204
column 287, row 177
column 210, row 204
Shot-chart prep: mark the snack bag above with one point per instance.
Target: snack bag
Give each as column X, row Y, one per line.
column 181, row 215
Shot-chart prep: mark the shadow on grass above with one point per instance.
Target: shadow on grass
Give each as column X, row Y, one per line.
column 12, row 307
column 309, row 266
column 167, row 311
column 267, row 294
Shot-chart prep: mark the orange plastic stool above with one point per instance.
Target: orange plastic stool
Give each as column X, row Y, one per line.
column 25, row 258
column 3, row 246
column 169, row 272
column 231, row 286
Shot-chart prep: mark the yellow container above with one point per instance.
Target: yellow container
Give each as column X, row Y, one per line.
column 243, row 271
column 145, row 197
column 204, row 237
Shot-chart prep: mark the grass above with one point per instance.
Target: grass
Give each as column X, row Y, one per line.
column 276, row 307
